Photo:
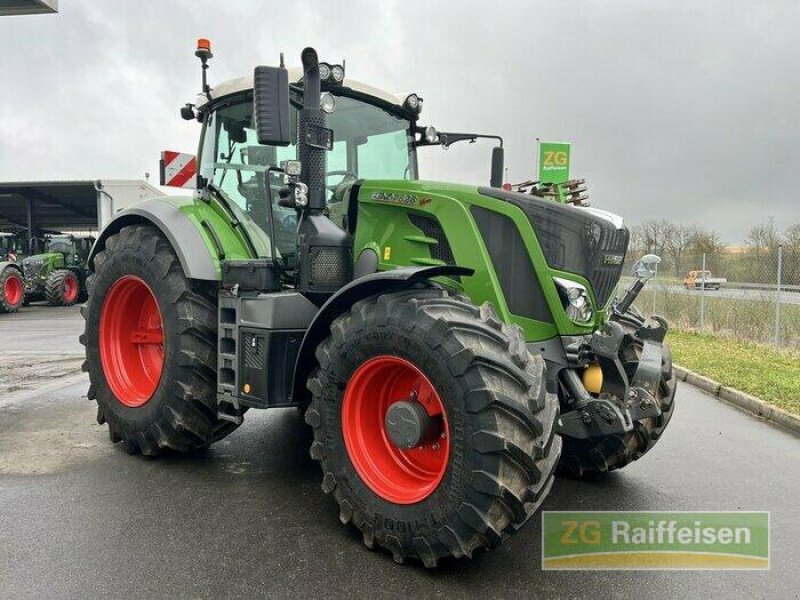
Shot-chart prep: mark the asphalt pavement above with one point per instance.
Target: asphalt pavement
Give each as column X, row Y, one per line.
column 41, row 329
column 79, row 518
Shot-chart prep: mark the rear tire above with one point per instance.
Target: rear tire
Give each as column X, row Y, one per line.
column 62, row 288
column 12, row 290
column 602, row 455
column 499, row 424
column 138, row 269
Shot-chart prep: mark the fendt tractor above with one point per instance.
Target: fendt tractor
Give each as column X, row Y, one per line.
column 442, row 340
column 12, row 285
column 59, row 274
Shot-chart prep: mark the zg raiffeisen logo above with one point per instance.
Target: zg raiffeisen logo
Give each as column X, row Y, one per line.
column 553, row 162
column 655, row 540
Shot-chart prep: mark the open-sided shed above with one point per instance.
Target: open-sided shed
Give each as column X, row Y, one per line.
column 88, row 205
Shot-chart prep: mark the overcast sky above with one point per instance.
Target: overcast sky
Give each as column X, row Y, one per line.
column 687, row 110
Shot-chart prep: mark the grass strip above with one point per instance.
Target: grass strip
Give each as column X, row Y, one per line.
column 761, row 371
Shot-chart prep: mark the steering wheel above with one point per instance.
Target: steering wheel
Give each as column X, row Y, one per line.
column 346, row 175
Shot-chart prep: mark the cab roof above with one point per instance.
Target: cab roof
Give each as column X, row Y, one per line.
column 245, row 83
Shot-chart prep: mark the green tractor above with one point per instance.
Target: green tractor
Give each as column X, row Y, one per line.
column 12, row 285
column 59, row 274
column 443, row 341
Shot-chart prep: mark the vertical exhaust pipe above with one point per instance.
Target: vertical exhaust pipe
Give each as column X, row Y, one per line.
column 325, row 251
column 310, row 117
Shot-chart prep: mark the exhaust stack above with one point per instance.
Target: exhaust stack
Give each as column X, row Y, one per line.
column 311, row 126
column 325, row 251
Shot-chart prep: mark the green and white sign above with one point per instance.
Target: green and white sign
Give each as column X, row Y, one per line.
column 553, row 162
column 655, row 540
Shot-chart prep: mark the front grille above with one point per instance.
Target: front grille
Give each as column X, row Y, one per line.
column 31, row 269
column 574, row 240
column 605, row 276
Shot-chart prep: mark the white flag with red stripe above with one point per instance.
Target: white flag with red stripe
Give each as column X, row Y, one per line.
column 178, row 169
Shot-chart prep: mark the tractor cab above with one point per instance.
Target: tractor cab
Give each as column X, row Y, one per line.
column 71, row 249
column 373, row 136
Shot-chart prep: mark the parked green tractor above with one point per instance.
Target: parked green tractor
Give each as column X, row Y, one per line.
column 440, row 339
column 59, row 274
column 12, row 286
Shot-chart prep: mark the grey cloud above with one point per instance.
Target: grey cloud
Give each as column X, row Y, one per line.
column 682, row 110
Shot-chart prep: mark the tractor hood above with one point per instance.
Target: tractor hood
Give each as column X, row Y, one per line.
column 585, row 241
column 39, row 258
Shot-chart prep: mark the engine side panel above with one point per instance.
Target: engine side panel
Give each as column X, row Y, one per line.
column 385, row 225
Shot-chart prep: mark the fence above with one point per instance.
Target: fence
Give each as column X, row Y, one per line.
column 759, row 299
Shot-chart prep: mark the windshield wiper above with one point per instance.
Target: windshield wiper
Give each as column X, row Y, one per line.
column 228, row 205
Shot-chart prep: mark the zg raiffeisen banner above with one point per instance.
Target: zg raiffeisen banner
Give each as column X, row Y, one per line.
column 553, row 162
column 655, row 540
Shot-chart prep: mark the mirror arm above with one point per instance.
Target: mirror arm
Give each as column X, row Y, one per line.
column 273, row 250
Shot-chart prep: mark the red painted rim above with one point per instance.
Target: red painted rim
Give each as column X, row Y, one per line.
column 398, row 475
column 131, row 341
column 70, row 288
column 13, row 289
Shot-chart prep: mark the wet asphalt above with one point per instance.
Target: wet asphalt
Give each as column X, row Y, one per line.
column 79, row 518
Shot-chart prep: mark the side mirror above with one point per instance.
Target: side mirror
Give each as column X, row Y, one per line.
column 187, row 112
column 271, row 105
column 498, row 160
column 645, row 268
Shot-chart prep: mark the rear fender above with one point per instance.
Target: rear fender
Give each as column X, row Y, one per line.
column 370, row 285
column 199, row 236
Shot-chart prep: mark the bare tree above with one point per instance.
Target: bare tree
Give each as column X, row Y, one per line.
column 679, row 238
column 764, row 237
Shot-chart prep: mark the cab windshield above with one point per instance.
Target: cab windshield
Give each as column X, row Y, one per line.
column 369, row 142
column 62, row 245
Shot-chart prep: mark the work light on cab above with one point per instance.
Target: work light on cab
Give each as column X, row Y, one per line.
column 337, row 73
column 413, row 103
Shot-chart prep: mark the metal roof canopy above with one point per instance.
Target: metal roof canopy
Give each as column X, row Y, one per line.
column 51, row 205
column 27, row 7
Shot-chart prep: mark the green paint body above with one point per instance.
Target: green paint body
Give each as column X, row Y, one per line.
column 214, row 214
column 384, row 227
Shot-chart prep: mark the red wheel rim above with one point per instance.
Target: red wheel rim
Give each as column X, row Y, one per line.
column 13, row 290
column 70, row 288
column 395, row 474
column 131, row 341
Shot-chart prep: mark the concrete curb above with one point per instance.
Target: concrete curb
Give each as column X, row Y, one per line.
column 745, row 402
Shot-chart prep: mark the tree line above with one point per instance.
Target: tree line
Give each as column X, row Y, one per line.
column 681, row 248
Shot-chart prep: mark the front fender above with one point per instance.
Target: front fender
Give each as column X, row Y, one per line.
column 196, row 251
column 5, row 263
column 358, row 289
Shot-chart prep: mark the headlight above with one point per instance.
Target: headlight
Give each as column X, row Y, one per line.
column 327, row 103
column 575, row 300
column 337, row 72
column 431, row 135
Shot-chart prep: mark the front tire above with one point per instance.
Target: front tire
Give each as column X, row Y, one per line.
column 62, row 288
column 151, row 338
column 12, row 290
column 490, row 463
